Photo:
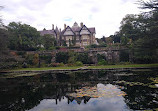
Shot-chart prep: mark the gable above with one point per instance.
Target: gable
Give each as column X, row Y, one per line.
column 68, row 31
column 84, row 30
column 49, row 32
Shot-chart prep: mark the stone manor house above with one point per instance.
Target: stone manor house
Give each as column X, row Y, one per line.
column 76, row 35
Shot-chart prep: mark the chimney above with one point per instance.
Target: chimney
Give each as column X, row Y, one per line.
column 60, row 29
column 52, row 26
column 81, row 24
column 64, row 26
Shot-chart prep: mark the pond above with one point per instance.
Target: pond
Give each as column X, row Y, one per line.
column 97, row 90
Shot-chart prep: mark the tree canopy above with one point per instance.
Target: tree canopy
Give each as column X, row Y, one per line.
column 23, row 37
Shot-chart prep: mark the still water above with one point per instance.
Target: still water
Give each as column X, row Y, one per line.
column 127, row 90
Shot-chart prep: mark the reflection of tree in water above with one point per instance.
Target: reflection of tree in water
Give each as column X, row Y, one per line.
column 139, row 94
column 141, row 97
column 26, row 92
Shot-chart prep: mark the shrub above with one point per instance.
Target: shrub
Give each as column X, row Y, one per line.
column 29, row 59
column 61, row 64
column 124, row 63
column 102, row 62
column 79, row 63
column 35, row 59
column 51, row 48
column 41, row 49
column 62, row 57
column 46, row 58
column 56, row 65
column 124, row 55
column 70, row 65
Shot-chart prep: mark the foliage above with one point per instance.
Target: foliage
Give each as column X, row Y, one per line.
column 72, row 57
column 79, row 63
column 23, row 37
column 100, row 57
column 97, row 46
column 101, row 40
column 83, row 57
column 124, row 40
column 62, row 57
column 49, row 42
column 116, row 37
column 102, row 62
column 29, row 59
column 56, row 65
column 143, row 51
column 45, row 58
column 36, row 59
column 3, row 39
column 93, row 46
column 141, row 32
column 152, row 4
column 124, row 55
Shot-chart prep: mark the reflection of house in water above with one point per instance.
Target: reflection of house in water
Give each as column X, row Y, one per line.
column 80, row 91
column 60, row 92
column 78, row 99
column 99, row 90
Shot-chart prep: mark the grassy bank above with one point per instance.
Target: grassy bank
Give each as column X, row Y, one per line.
column 124, row 66
column 45, row 68
column 89, row 67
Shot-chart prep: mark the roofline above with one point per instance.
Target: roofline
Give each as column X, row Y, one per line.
column 86, row 28
column 70, row 29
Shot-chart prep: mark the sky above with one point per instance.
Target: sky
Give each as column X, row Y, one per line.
column 104, row 15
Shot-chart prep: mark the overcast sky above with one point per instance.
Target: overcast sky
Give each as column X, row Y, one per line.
column 104, row 15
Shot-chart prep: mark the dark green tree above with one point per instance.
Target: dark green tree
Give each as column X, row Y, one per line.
column 23, row 37
column 62, row 57
column 49, row 42
column 146, row 47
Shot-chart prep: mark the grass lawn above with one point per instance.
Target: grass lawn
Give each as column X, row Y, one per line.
column 124, row 66
column 89, row 67
column 45, row 68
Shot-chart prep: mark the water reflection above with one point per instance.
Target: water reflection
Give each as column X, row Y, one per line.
column 100, row 101
column 90, row 91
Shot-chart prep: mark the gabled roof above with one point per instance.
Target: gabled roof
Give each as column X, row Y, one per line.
column 85, row 27
column 44, row 32
column 66, row 29
column 76, row 29
column 92, row 29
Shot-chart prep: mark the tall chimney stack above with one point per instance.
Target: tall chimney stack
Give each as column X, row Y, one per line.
column 52, row 26
column 64, row 26
column 81, row 24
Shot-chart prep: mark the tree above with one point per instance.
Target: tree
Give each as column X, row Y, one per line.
column 62, row 57
column 49, row 42
column 116, row 37
column 3, row 39
column 142, row 29
column 124, row 40
column 146, row 48
column 133, row 26
column 152, row 4
column 23, row 37
column 3, row 35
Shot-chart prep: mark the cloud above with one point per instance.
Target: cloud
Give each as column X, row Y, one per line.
column 95, row 9
column 104, row 15
column 116, row 103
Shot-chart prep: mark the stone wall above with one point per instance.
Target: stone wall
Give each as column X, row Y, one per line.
column 112, row 54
